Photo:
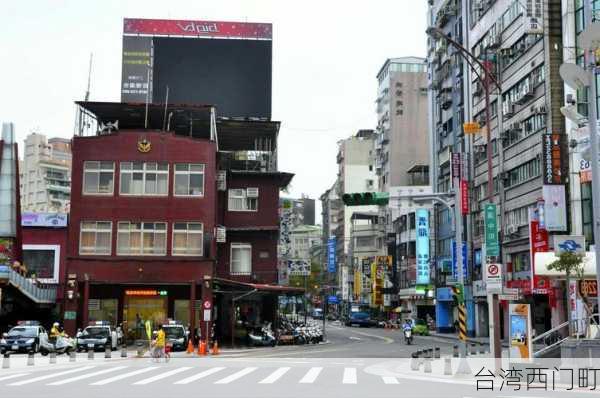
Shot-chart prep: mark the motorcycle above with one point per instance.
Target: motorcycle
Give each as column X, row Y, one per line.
column 61, row 345
column 261, row 337
column 408, row 336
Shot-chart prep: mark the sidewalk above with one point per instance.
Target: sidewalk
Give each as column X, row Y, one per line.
column 454, row 336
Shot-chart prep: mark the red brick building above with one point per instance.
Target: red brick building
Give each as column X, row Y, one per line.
column 147, row 200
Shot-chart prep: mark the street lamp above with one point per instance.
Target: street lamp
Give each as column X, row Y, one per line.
column 577, row 77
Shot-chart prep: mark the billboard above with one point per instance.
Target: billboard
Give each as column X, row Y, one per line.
column 555, row 207
column 224, row 64
column 331, row 255
column 553, row 167
column 422, row 243
column 455, row 259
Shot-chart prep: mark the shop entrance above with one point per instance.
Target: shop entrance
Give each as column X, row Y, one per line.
column 138, row 310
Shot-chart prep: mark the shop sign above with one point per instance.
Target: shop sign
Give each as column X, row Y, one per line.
column 464, row 260
column 221, row 234
column 538, row 242
column 145, row 292
column 30, row 219
column 569, row 243
column 552, row 165
column 331, row 254
column 70, row 315
column 520, row 331
column 509, row 297
column 423, row 277
column 456, row 166
column 464, row 197
column 479, row 289
column 588, row 288
column 471, row 127
column 332, row 300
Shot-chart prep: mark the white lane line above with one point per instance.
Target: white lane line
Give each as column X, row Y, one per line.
column 161, row 376
column 236, row 376
column 390, row 380
column 13, row 376
column 311, row 375
column 349, row 376
column 276, row 375
column 122, row 376
column 199, row 376
column 29, row 381
column 85, row 376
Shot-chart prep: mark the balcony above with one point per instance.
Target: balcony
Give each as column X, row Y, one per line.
column 247, row 161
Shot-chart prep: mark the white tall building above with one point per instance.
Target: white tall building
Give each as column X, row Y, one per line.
column 46, row 174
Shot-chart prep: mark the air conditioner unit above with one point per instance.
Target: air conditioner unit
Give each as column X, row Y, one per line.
column 252, row 192
column 510, row 111
column 512, row 229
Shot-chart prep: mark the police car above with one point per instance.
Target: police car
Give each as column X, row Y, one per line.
column 98, row 335
column 176, row 335
column 25, row 337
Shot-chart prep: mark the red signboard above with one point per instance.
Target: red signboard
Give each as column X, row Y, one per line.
column 538, row 242
column 464, row 197
column 165, row 27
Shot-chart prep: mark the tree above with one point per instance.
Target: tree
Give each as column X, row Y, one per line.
column 570, row 263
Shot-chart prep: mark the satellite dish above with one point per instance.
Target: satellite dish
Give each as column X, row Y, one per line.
column 574, row 76
column 590, row 37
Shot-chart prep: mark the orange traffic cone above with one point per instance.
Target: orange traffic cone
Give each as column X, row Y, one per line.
column 215, row 350
column 190, row 347
column 204, row 348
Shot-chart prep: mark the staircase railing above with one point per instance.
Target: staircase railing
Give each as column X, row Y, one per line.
column 41, row 295
column 557, row 335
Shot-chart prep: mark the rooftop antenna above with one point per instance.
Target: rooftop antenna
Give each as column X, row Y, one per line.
column 87, row 92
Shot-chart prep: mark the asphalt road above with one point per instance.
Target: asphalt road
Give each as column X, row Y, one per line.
column 355, row 363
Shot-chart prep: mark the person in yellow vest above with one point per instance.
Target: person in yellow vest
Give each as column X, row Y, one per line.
column 159, row 345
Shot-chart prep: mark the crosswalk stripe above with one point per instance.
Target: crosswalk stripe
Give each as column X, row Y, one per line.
column 311, row 375
column 66, row 372
column 199, row 376
column 349, row 376
column 13, row 376
column 161, row 376
column 122, row 376
column 236, row 376
column 276, row 375
column 85, row 376
column 390, row 380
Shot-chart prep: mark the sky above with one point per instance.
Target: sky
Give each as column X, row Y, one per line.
column 326, row 54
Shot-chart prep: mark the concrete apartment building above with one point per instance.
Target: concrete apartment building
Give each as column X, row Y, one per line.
column 525, row 63
column 46, row 174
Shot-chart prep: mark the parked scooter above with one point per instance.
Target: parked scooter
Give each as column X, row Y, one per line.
column 60, row 345
column 261, row 337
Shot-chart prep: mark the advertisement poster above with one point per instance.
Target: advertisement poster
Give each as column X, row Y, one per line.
column 464, row 260
column 331, row 247
column 538, row 239
column 422, row 247
column 520, row 331
column 555, row 207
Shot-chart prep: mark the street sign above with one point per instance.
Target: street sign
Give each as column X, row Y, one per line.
column 569, row 243
column 492, row 248
column 510, row 290
column 332, row 300
column 206, row 315
column 509, row 297
column 493, row 277
column 207, row 304
column 471, row 127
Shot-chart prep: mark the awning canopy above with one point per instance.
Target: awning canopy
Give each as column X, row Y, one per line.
column 543, row 259
column 228, row 285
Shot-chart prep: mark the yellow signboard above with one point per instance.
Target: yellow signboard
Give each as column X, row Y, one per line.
column 471, row 127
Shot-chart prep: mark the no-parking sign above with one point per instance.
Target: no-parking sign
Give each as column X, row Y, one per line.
column 493, row 277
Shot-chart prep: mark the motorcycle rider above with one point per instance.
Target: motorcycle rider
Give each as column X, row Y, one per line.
column 407, row 327
column 55, row 332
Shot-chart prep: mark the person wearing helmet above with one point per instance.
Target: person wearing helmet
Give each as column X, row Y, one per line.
column 55, row 332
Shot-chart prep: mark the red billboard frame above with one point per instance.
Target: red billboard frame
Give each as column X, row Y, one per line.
column 179, row 27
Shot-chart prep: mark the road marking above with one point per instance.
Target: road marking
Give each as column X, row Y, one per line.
column 311, row 375
column 85, row 376
column 354, row 338
column 199, row 376
column 122, row 376
column 13, row 376
column 276, row 375
column 29, row 381
column 349, row 376
column 390, row 380
column 161, row 376
column 236, row 376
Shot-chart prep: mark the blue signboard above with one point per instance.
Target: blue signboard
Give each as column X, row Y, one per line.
column 331, row 260
column 332, row 300
column 422, row 230
column 464, row 260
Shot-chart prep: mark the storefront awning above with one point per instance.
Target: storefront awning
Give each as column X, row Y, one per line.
column 259, row 287
column 543, row 259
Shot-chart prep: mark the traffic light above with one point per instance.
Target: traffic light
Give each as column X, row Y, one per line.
column 366, row 198
column 457, row 294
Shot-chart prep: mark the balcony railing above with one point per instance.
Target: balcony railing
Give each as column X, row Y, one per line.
column 247, row 161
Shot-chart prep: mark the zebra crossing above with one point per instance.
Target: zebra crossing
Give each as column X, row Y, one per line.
column 153, row 374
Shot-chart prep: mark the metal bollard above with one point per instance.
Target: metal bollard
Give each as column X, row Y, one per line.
column 107, row 352
column 481, row 348
column 473, row 349
column 30, row 358
column 6, row 361
column 52, row 357
column 140, row 350
column 72, row 356
column 427, row 367
column 420, row 355
column 437, row 353
column 448, row 366
column 455, row 351
column 414, row 361
column 90, row 354
column 124, row 351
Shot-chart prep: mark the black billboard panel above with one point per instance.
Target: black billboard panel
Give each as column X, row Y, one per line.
column 137, row 61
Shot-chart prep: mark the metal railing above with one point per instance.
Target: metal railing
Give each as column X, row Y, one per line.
column 41, row 295
column 556, row 336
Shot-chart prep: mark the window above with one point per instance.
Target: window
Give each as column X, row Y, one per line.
column 189, row 179
column 243, row 199
column 42, row 261
column 98, row 177
column 520, row 261
column 522, row 173
column 188, row 238
column 140, row 178
column 241, row 259
column 142, row 238
column 95, row 237
column 365, row 241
